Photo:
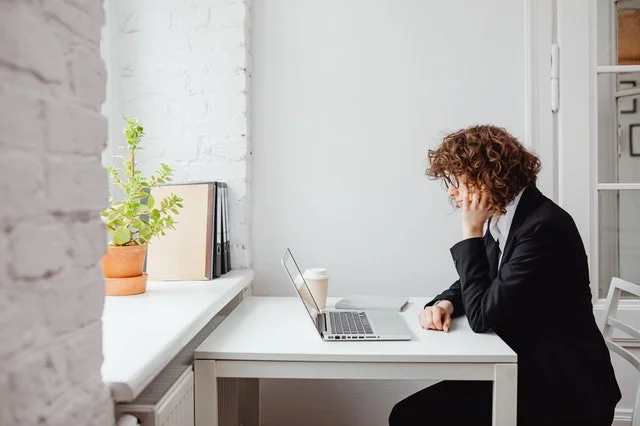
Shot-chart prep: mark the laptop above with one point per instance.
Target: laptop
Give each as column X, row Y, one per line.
column 346, row 324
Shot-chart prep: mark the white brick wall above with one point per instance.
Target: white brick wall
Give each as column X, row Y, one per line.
column 181, row 67
column 52, row 187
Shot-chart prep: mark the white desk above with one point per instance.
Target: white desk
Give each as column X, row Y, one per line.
column 273, row 337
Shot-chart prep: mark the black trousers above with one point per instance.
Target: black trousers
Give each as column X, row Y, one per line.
column 464, row 403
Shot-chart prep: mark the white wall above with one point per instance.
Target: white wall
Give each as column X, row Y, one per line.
column 347, row 98
column 52, row 187
column 182, row 68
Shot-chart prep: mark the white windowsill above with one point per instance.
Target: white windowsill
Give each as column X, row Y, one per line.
column 142, row 333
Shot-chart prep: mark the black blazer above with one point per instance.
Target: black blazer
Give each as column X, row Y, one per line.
column 539, row 303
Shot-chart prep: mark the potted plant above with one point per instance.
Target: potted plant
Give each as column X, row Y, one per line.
column 135, row 219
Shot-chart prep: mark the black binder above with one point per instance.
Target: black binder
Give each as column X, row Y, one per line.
column 217, row 232
column 222, row 187
column 226, row 249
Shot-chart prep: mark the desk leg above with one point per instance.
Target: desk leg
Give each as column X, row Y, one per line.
column 238, row 402
column 505, row 395
column 250, row 402
column 228, row 402
column 206, row 393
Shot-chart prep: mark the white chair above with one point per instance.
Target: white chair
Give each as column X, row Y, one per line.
column 608, row 322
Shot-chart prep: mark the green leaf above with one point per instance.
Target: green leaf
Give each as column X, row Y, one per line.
column 138, row 217
column 122, row 235
column 113, row 216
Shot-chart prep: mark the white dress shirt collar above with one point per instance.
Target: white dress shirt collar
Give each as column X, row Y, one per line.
column 499, row 226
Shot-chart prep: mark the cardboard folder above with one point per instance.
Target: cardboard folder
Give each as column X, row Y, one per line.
column 186, row 252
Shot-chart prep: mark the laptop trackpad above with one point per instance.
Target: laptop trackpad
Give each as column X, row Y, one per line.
column 388, row 322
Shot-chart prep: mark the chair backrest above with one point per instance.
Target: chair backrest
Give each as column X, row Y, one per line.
column 609, row 322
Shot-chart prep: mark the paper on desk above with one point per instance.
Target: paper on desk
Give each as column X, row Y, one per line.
column 364, row 302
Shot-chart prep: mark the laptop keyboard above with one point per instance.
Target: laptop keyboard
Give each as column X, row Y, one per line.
column 350, row 322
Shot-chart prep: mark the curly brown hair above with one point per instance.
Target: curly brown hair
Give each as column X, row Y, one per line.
column 485, row 156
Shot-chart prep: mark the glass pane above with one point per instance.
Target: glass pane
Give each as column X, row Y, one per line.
column 618, row 32
column 628, row 32
column 619, row 237
column 619, row 128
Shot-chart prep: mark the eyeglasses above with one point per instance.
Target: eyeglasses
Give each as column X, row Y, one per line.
column 451, row 181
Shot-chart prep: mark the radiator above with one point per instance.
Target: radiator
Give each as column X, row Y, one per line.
column 158, row 406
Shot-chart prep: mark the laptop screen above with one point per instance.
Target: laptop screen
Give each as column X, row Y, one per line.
column 297, row 279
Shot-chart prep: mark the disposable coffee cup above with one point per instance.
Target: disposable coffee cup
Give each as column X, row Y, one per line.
column 317, row 280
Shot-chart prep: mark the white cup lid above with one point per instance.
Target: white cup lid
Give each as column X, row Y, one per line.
column 315, row 274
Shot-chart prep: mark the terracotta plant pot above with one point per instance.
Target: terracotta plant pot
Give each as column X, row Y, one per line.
column 124, row 261
column 125, row 286
column 122, row 269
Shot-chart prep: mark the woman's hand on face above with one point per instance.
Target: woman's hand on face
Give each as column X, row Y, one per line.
column 476, row 209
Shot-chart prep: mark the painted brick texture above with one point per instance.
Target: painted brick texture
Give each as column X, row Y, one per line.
column 182, row 68
column 52, row 187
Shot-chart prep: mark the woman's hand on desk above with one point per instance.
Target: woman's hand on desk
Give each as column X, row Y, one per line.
column 437, row 317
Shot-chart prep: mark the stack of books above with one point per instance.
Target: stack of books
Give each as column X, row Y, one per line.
column 198, row 248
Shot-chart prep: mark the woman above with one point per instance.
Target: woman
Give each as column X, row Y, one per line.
column 526, row 279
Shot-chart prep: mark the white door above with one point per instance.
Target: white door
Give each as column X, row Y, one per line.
column 599, row 145
column 599, row 133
